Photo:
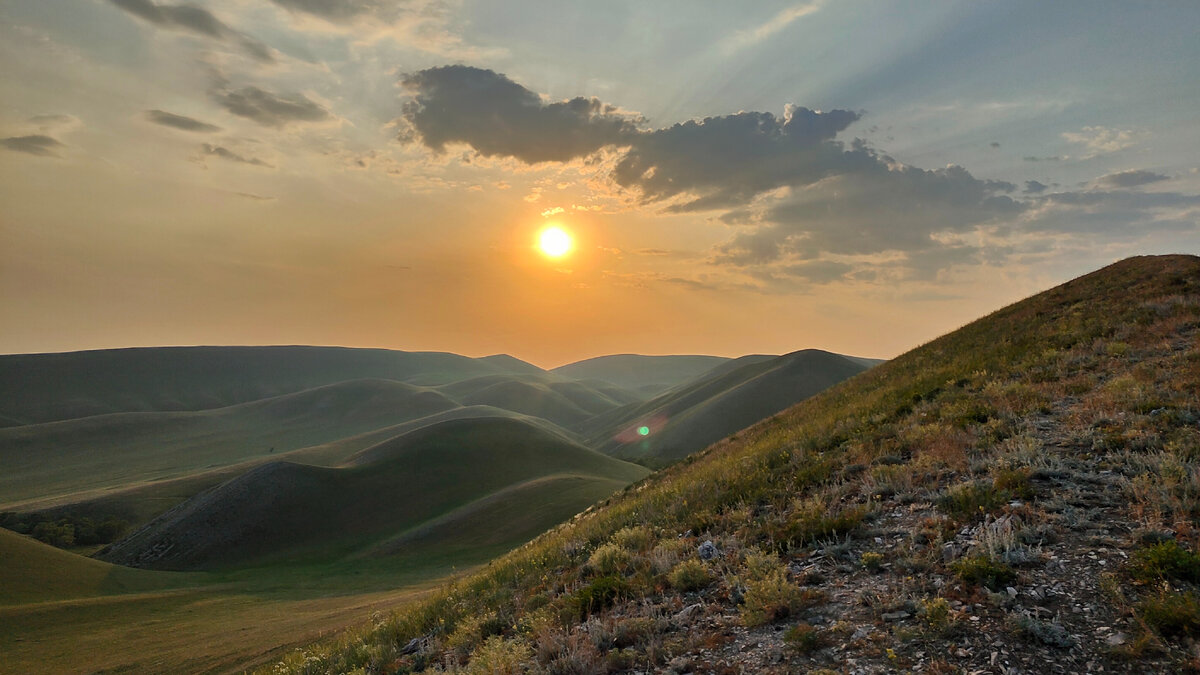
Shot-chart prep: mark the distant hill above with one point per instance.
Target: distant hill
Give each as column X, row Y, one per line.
column 1017, row 495
column 38, row 388
column 283, row 510
column 730, row 397
column 648, row 375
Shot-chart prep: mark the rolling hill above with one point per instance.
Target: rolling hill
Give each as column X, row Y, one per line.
column 648, row 375
column 37, row 388
column 1020, row 494
column 728, row 399
column 288, row 511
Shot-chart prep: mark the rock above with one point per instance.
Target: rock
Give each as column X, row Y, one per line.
column 895, row 616
column 687, row 613
column 707, row 550
column 1116, row 639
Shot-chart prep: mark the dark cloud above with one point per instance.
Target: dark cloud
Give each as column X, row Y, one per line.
column 817, row 271
column 37, row 144
column 1032, row 158
column 725, row 161
column 1033, row 187
column 226, row 153
column 500, row 118
column 994, row 145
column 180, row 121
column 338, row 10
column 197, row 20
column 264, row 107
column 1134, row 178
column 1115, row 212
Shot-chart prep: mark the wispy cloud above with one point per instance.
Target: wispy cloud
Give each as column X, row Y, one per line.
column 750, row 37
column 1098, row 140
column 34, row 144
column 225, row 153
column 196, row 20
column 180, row 121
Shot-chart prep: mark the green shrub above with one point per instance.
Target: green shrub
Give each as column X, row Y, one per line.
column 972, row 499
column 599, row 595
column 1172, row 614
column 1165, row 559
column 690, row 575
column 774, row 597
column 985, row 571
column 497, row 656
column 633, row 538
column 872, row 560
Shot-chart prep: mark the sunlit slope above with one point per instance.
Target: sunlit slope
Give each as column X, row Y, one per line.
column 284, row 510
column 1079, row 400
column 635, row 372
column 690, row 417
column 47, row 387
column 45, row 460
column 35, row 572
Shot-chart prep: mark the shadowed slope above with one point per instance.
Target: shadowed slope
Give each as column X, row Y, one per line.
column 638, row 373
column 47, row 387
column 289, row 511
column 56, row 458
column 690, row 417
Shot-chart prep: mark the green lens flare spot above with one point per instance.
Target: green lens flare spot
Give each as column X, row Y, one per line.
column 643, row 431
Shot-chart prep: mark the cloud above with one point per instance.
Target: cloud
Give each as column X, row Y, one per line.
column 500, row 118
column 268, row 109
column 994, row 145
column 36, row 144
column 196, row 20
column 48, row 124
column 339, row 10
column 724, row 161
column 1132, row 178
column 1099, row 140
column 225, row 153
column 784, row 18
column 180, row 121
column 1033, row 187
column 1032, row 158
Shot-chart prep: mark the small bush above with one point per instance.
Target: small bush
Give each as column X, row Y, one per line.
column 872, row 560
column 1172, row 614
column 497, row 656
column 1048, row 633
column 690, row 575
column 633, row 538
column 1013, row 483
column 1165, row 559
column 985, row 571
column 773, row 597
column 935, row 613
column 601, row 594
column 609, row 559
column 804, row 638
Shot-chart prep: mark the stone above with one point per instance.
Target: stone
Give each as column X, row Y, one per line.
column 707, row 550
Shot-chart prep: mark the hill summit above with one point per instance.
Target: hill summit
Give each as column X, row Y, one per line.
column 1020, row 495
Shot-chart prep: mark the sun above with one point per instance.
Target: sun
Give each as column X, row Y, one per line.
column 554, row 242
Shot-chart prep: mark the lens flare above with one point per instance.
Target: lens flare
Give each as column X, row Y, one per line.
column 554, row 242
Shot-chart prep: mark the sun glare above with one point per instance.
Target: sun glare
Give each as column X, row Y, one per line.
column 554, row 242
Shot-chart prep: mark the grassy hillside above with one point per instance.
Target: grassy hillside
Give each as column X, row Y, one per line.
column 645, row 374
column 1021, row 492
column 47, row 387
column 58, row 458
column 286, row 511
column 690, row 417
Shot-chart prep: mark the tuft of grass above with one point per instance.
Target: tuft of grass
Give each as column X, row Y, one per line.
column 872, row 560
column 611, row 558
column 984, row 571
column 599, row 595
column 968, row 500
column 1049, row 633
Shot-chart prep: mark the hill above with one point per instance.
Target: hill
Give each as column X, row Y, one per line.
column 37, row 388
column 287, row 511
column 1020, row 494
column 690, row 417
column 648, row 375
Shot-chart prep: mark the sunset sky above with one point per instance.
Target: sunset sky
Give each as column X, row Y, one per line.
column 854, row 176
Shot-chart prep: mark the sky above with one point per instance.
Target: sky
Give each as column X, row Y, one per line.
column 737, row 178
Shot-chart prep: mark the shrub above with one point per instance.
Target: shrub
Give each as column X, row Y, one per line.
column 690, row 575
column 609, row 559
column 497, row 656
column 971, row 499
column 1165, row 559
column 804, row 638
column 1048, row 633
column 1172, row 614
column 872, row 560
column 601, row 594
column 773, row 597
column 633, row 538
column 985, row 571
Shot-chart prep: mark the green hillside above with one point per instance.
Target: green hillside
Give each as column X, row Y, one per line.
column 284, row 511
column 47, row 387
column 105, row 451
column 1018, row 493
column 691, row 416
column 648, row 375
